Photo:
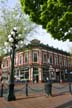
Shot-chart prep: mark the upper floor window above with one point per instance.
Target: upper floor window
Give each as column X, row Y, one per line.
column 44, row 57
column 5, row 63
column 50, row 58
column 69, row 62
column 16, row 60
column 56, row 59
column 26, row 57
column 35, row 56
column 21, row 59
column 60, row 60
column 65, row 62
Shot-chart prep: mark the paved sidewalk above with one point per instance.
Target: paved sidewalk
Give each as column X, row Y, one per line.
column 61, row 101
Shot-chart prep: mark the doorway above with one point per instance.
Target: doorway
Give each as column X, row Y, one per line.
column 35, row 75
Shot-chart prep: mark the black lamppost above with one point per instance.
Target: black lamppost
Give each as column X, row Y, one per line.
column 13, row 40
column 69, row 82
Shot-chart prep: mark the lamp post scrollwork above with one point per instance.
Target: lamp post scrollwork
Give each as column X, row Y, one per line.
column 13, row 40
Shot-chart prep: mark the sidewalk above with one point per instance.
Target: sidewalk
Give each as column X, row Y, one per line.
column 38, row 102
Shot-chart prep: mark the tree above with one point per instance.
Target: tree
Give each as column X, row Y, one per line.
column 54, row 15
column 13, row 17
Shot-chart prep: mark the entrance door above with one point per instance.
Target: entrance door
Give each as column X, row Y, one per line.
column 35, row 75
column 58, row 76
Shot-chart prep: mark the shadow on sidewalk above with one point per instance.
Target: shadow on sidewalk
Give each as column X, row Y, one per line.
column 28, row 97
column 36, row 96
column 54, row 95
column 65, row 105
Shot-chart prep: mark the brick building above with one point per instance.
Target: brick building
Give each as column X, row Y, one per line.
column 36, row 61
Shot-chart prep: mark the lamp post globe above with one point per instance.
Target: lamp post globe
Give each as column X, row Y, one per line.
column 15, row 29
column 6, row 44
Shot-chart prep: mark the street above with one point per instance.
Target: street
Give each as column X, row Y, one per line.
column 66, row 105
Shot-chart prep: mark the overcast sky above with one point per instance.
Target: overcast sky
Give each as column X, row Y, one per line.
column 44, row 37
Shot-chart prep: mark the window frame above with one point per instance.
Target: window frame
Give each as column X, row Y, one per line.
column 33, row 59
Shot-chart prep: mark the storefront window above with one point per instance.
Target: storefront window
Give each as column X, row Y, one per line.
column 24, row 75
column 45, row 74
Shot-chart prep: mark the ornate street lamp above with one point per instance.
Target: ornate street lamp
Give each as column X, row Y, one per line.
column 13, row 40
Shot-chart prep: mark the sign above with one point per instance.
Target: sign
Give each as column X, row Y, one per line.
column 51, row 68
column 24, row 68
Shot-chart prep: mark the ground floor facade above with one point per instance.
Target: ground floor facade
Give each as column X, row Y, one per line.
column 38, row 74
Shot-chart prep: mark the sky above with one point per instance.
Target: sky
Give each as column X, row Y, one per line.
column 45, row 37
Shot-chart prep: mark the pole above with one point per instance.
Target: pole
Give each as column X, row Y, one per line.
column 11, row 95
column 69, row 82
column 26, row 88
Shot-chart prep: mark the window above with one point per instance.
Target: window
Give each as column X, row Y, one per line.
column 35, row 56
column 35, row 70
column 71, row 61
column 68, row 62
column 5, row 63
column 35, row 74
column 65, row 62
column 44, row 57
column 56, row 59
column 24, row 75
column 21, row 59
column 16, row 60
column 60, row 60
column 52, row 75
column 50, row 58
column 26, row 57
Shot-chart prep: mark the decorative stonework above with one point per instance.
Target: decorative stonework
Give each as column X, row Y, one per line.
column 35, row 41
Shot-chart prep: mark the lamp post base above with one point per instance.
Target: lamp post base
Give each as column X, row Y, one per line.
column 11, row 95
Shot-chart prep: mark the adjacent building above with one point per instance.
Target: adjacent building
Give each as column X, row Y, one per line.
column 36, row 61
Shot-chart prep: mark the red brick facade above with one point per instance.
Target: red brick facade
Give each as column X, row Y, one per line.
column 36, row 62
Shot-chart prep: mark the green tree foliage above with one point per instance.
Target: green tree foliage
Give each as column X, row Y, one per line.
column 54, row 15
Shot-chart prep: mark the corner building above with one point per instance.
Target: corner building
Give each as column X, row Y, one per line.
column 36, row 61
